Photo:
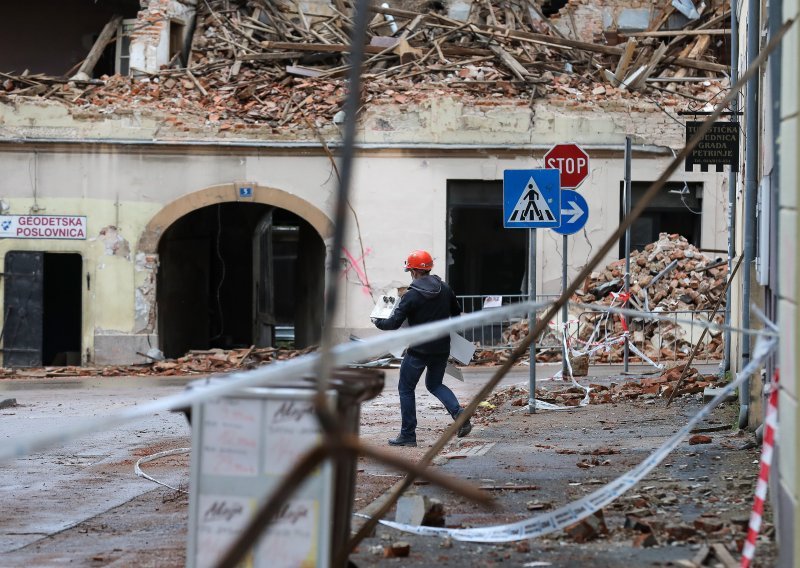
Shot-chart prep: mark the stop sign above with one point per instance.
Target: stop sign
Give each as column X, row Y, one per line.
column 571, row 161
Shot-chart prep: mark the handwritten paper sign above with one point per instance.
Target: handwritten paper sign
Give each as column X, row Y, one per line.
column 220, row 520
column 230, row 443
column 291, row 540
column 291, row 430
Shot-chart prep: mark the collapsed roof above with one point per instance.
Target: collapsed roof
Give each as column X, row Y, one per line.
column 282, row 64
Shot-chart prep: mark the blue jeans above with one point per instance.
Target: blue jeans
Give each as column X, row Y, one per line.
column 410, row 372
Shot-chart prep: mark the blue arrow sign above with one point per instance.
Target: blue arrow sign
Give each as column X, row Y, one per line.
column 531, row 199
column 574, row 212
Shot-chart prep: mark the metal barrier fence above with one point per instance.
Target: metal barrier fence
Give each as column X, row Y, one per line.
column 661, row 341
column 495, row 335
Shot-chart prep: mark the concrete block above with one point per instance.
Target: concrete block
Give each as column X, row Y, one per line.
column 710, row 392
column 122, row 348
column 410, row 510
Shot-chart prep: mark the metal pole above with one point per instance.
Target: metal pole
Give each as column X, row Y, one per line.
column 532, row 319
column 751, row 171
column 628, row 204
column 564, row 313
column 732, row 175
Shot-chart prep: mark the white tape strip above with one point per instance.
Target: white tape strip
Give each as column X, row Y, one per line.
column 279, row 372
column 644, row 357
column 152, row 457
column 656, row 317
column 582, row 508
column 542, row 405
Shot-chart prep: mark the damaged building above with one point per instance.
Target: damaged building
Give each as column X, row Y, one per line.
column 169, row 166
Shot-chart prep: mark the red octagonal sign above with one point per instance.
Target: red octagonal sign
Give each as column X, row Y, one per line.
column 571, row 161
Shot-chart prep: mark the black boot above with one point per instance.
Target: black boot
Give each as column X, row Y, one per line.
column 404, row 441
column 465, row 428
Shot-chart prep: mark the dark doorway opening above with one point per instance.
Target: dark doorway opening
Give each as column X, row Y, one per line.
column 43, row 309
column 483, row 257
column 62, row 309
column 239, row 274
column 677, row 209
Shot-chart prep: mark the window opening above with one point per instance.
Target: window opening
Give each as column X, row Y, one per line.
column 676, row 209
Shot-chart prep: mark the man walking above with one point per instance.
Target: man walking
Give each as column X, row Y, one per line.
column 427, row 299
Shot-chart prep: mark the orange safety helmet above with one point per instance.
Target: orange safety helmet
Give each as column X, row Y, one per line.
column 419, row 260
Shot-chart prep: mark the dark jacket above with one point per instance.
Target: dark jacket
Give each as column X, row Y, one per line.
column 427, row 299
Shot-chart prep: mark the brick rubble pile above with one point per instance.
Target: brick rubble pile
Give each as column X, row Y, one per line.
column 692, row 288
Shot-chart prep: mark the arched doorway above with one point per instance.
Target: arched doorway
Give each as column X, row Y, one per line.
column 235, row 274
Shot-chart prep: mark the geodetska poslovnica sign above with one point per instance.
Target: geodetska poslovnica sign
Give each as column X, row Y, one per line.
column 43, row 227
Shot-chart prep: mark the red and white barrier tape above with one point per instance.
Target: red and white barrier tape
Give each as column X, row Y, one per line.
column 767, row 447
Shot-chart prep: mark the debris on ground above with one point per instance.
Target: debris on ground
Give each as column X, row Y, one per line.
column 645, row 388
column 400, row 549
column 280, row 65
column 589, row 528
column 196, row 361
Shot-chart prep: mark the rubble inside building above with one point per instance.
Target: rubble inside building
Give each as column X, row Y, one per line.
column 280, row 66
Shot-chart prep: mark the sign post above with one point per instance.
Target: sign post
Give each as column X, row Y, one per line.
column 532, row 320
column 628, row 203
column 531, row 200
column 573, row 164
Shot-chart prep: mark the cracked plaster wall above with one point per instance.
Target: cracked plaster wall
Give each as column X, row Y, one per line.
column 449, row 121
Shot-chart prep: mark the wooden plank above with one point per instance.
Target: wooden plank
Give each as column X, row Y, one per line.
column 625, row 60
column 723, row 555
column 105, row 37
column 654, row 60
column 197, row 83
column 676, row 33
column 508, row 60
column 700, row 558
column 682, row 71
column 547, row 39
column 275, row 56
column 662, row 18
column 597, row 48
column 303, row 71
column 372, row 49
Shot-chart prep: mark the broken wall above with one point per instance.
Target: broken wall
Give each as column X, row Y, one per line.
column 587, row 21
column 150, row 40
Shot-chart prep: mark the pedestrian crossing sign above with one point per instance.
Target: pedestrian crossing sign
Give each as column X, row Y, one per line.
column 531, row 199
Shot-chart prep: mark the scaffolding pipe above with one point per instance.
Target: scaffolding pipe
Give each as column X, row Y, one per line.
column 750, row 194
